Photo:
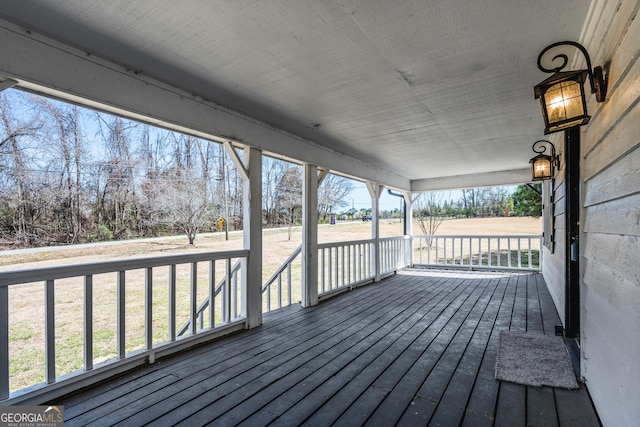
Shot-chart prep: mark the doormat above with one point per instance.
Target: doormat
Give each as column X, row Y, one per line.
column 534, row 360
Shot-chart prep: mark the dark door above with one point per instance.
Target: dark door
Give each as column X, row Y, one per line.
column 572, row 218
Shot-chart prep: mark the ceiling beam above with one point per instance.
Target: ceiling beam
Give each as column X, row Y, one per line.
column 42, row 65
column 7, row 84
column 488, row 179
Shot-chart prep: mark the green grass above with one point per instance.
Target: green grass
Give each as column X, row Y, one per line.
column 504, row 259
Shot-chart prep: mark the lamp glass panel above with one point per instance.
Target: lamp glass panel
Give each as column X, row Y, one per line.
column 541, row 168
column 564, row 101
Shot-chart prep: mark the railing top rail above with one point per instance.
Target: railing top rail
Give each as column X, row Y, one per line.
column 387, row 239
column 275, row 275
column 483, row 236
column 16, row 277
column 344, row 243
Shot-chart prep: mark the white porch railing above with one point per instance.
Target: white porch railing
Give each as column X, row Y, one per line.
column 344, row 264
column 199, row 295
column 129, row 311
column 513, row 252
column 284, row 286
column 341, row 265
column 395, row 253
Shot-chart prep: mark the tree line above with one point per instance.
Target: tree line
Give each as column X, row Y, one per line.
column 432, row 208
column 71, row 175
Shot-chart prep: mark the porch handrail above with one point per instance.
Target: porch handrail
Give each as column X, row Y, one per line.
column 205, row 304
column 232, row 317
column 504, row 252
column 282, row 268
column 276, row 277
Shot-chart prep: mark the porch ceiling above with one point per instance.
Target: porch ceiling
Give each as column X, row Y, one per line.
column 424, row 91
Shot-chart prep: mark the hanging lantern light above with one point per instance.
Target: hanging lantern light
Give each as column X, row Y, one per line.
column 543, row 165
column 562, row 96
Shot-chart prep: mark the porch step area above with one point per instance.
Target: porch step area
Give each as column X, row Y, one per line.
column 417, row 348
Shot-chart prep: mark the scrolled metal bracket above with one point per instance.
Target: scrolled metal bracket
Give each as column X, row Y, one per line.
column 541, row 146
column 597, row 79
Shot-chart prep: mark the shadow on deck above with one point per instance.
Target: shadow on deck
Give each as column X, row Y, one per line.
column 413, row 349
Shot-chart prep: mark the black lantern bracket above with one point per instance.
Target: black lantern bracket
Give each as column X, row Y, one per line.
column 541, row 146
column 596, row 76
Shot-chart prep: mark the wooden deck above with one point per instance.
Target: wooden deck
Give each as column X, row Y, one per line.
column 417, row 348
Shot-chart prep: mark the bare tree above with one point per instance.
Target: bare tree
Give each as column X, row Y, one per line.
column 427, row 212
column 54, row 189
column 116, row 196
column 17, row 132
column 67, row 143
column 272, row 173
column 178, row 200
column 333, row 193
column 473, row 199
column 498, row 201
column 289, row 195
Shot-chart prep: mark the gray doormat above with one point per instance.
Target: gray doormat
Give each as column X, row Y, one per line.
column 534, row 360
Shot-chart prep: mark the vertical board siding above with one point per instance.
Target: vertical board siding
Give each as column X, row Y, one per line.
column 610, row 218
column 553, row 263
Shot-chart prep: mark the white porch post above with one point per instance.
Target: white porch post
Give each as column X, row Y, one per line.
column 310, row 236
column 252, row 236
column 408, row 225
column 375, row 190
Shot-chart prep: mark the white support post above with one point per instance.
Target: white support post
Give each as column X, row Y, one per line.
column 375, row 190
column 310, row 236
column 408, row 225
column 252, row 236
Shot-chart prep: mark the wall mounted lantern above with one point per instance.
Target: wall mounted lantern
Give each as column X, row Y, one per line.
column 562, row 95
column 543, row 165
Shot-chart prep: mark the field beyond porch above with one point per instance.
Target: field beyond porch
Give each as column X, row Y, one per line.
column 280, row 242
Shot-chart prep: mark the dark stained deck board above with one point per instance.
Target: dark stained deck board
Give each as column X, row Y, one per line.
column 259, row 371
column 445, row 327
column 423, row 405
column 481, row 403
column 324, row 373
column 417, row 348
column 242, row 346
column 534, row 313
column 541, row 407
column 451, row 408
column 575, row 407
column 364, row 369
column 237, row 373
column 549, row 314
column 294, row 371
column 308, row 353
column 379, row 353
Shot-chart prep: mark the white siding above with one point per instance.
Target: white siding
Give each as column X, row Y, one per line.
column 553, row 263
column 610, row 221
